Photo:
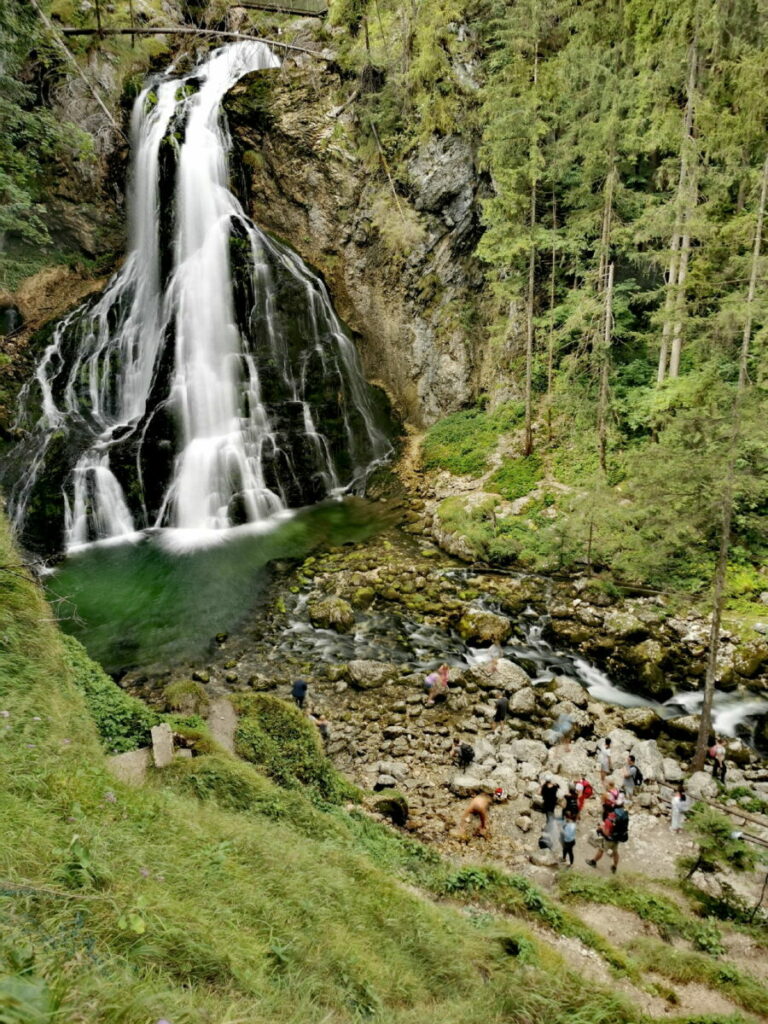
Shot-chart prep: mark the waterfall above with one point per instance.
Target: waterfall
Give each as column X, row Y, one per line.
column 211, row 383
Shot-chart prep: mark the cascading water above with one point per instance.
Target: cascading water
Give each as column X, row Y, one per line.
column 211, row 384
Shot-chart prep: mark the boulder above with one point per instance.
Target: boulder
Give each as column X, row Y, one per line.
column 465, row 785
column 686, row 726
column 483, row 749
column 368, row 675
column 650, row 760
column 527, row 750
column 332, row 613
column 162, row 744
column 523, row 702
column 672, row 771
column 701, row 785
column 622, row 624
column 385, row 782
column 573, row 762
column 523, row 823
column 391, row 768
column 503, row 775
column 571, row 690
column 642, row 721
column 750, row 658
column 544, row 858
column 394, row 806
column 485, row 628
column 509, row 676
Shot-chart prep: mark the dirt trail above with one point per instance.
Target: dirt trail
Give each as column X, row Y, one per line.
column 222, row 721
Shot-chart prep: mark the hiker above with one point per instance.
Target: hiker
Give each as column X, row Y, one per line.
column 568, row 838
column 462, row 753
column 717, row 753
column 604, row 760
column 502, row 709
column 612, row 798
column 323, row 725
column 571, row 802
column 562, row 729
column 299, row 692
column 610, row 832
column 584, row 790
column 681, row 804
column 430, row 682
column 439, row 690
column 479, row 807
column 632, row 776
column 549, row 793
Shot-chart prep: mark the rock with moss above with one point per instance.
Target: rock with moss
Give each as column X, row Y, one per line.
column 186, row 696
column 369, row 675
column 749, row 659
column 332, row 613
column 485, row 628
column 392, row 805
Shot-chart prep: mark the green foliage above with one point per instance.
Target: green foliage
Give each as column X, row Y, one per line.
column 279, row 739
column 123, row 721
column 188, row 696
column 748, row 799
column 462, row 442
column 718, row 843
column 516, row 477
column 25, row 999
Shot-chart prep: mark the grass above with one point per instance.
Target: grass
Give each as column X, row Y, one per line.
column 462, row 442
column 685, row 966
column 214, row 896
column 516, row 477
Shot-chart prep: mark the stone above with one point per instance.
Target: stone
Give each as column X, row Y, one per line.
column 485, row 628
column 391, row 768
column 686, row 726
column 162, row 744
column 650, row 760
column 131, row 767
column 701, row 785
column 574, row 762
column 201, row 676
column 571, row 690
column 369, row 675
column 385, row 782
column 523, row 702
column 465, row 785
column 642, row 721
column 544, row 858
column 503, row 775
column 527, row 750
column 185, row 752
column 524, row 823
column 622, row 624
column 672, row 771
column 750, row 658
column 528, row 771
column 394, row 806
column 332, row 613
column 483, row 749
column 509, row 676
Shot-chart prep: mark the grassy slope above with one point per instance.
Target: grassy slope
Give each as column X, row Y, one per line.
column 137, row 905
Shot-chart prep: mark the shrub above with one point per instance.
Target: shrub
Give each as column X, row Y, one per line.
column 516, row 477
column 187, row 696
column 123, row 721
column 277, row 738
column 462, row 442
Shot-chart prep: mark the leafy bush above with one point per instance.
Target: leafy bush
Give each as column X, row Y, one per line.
column 516, row 477
column 123, row 721
column 462, row 442
column 275, row 736
column 187, row 696
column 468, row 879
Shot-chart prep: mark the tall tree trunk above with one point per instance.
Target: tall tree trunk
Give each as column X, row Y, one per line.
column 551, row 338
column 528, row 446
column 602, row 405
column 705, row 724
column 674, row 303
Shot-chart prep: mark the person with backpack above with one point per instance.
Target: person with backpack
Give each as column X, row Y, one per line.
column 610, row 833
column 717, row 753
column 632, row 776
column 612, row 798
column 299, row 692
column 463, row 754
column 584, row 790
column 549, row 793
column 571, row 802
column 502, row 710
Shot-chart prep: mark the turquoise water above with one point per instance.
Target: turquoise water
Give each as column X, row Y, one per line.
column 142, row 604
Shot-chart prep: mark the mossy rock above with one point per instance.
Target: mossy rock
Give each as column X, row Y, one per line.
column 392, row 805
column 187, row 697
column 484, row 627
column 332, row 613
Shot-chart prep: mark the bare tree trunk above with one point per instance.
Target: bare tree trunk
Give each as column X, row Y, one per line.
column 528, row 446
column 551, row 339
column 602, row 405
column 705, row 724
column 674, row 307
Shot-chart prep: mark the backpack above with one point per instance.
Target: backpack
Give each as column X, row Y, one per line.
column 620, row 826
column 638, row 776
column 466, row 753
column 571, row 804
column 586, row 789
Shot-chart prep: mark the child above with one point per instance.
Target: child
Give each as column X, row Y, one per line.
column 568, row 838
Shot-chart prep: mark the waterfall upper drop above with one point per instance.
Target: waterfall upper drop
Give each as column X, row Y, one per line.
column 211, row 383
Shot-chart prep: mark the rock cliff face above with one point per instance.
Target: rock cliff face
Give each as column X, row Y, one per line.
column 401, row 270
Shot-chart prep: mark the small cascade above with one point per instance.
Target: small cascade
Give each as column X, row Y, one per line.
column 211, row 384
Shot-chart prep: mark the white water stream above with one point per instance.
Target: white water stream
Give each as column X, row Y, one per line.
column 99, row 378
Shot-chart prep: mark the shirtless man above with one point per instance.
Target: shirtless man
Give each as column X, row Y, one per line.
column 479, row 807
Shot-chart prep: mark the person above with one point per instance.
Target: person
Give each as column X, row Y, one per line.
column 604, row 760
column 680, row 807
column 562, row 729
column 612, row 798
column 439, row 690
column 500, row 795
column 717, row 750
column 479, row 807
column 632, row 776
column 463, row 754
column 502, row 709
column 610, row 832
column 323, row 725
column 568, row 838
column 571, row 802
column 584, row 790
column 430, row 682
column 549, row 793
column 299, row 692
